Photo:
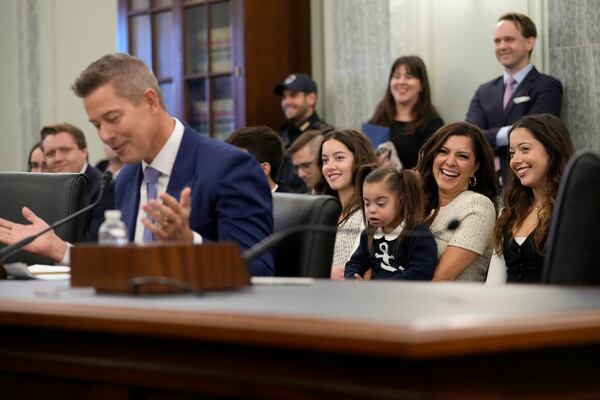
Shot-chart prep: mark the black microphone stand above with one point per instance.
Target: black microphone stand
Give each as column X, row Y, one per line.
column 15, row 247
column 274, row 239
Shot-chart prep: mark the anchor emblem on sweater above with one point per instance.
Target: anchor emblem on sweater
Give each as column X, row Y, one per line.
column 386, row 257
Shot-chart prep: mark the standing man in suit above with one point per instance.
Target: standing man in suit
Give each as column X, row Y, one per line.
column 520, row 91
column 65, row 150
column 179, row 185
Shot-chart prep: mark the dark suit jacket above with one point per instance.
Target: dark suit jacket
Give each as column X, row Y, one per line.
column 231, row 200
column 485, row 110
column 94, row 218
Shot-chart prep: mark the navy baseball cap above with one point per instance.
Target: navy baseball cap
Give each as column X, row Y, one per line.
column 297, row 83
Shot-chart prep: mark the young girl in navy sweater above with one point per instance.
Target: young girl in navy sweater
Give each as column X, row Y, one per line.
column 396, row 244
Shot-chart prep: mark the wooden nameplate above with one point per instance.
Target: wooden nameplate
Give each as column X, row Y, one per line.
column 158, row 267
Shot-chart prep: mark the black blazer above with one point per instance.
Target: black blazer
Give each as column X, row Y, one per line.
column 485, row 110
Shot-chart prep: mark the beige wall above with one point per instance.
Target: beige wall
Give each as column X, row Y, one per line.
column 70, row 35
column 362, row 38
column 354, row 43
column 75, row 33
column 8, row 107
column 459, row 49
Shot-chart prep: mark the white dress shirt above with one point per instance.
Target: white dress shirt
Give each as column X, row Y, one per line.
column 163, row 162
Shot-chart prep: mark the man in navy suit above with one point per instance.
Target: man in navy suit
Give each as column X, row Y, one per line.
column 65, row 150
column 179, row 185
column 266, row 145
column 520, row 91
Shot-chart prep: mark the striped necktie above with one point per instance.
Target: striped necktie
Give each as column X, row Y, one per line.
column 151, row 176
column 508, row 91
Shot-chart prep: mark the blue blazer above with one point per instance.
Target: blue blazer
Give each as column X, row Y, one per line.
column 94, row 218
column 231, row 200
column 485, row 110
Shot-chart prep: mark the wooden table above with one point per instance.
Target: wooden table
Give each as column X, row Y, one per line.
column 320, row 340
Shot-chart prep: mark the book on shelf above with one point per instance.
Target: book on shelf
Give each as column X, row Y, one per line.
column 220, row 47
column 224, row 117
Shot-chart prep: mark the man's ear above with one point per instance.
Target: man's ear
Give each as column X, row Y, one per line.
column 266, row 167
column 530, row 43
column 311, row 99
column 151, row 99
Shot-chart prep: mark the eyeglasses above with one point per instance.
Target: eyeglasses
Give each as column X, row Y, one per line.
column 303, row 166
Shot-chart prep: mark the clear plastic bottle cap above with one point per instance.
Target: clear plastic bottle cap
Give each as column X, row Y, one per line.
column 112, row 214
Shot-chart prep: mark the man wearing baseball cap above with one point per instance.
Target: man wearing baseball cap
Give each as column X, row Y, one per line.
column 298, row 99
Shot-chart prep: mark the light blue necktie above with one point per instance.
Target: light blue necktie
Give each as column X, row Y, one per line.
column 151, row 175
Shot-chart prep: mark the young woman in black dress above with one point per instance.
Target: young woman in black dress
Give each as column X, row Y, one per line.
column 539, row 148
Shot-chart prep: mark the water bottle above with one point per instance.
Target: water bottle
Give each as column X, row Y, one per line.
column 113, row 231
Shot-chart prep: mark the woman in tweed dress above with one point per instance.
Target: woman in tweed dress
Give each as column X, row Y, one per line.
column 457, row 169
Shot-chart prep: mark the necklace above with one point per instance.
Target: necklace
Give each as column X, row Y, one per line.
column 535, row 210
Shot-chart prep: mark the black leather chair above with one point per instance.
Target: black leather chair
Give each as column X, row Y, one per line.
column 305, row 254
column 573, row 253
column 50, row 196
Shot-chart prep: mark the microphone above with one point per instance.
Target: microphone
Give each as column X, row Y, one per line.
column 453, row 225
column 9, row 250
column 274, row 239
column 277, row 237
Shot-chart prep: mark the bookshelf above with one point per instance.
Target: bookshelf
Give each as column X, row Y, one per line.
column 217, row 60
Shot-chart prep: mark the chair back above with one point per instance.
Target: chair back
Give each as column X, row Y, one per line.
column 305, row 254
column 572, row 256
column 50, row 196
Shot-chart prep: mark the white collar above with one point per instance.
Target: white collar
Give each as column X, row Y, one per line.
column 393, row 235
column 165, row 159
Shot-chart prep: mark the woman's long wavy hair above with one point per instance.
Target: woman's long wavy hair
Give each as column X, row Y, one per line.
column 423, row 110
column 362, row 149
column 485, row 174
column 552, row 133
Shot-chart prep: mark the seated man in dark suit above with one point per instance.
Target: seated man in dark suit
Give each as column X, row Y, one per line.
column 267, row 147
column 303, row 152
column 178, row 185
column 65, row 150
column 521, row 91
